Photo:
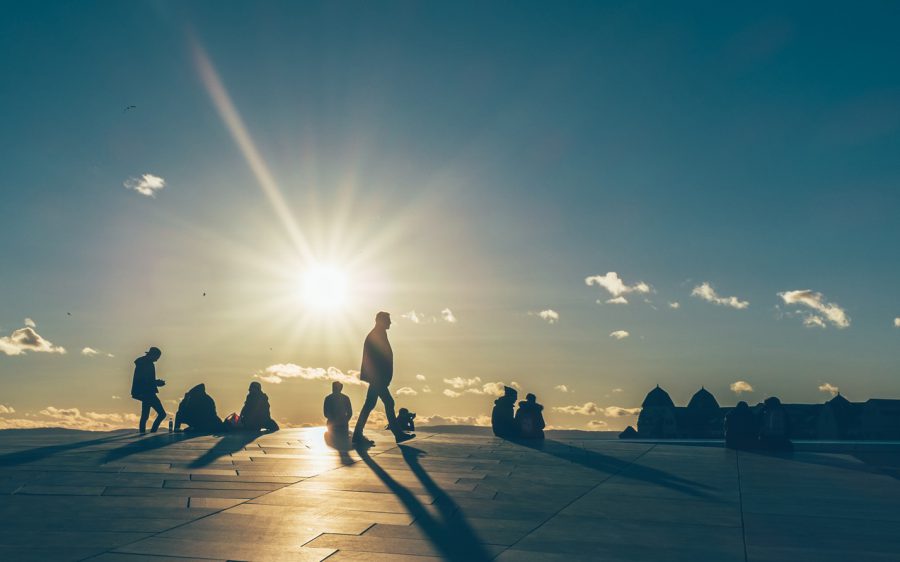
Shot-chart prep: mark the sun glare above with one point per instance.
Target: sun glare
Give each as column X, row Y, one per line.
column 324, row 288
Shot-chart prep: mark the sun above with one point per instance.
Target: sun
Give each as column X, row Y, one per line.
column 324, row 287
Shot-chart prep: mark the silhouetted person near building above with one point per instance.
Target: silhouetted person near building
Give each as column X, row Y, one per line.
column 378, row 369
column 405, row 420
column 197, row 410
column 530, row 419
column 337, row 410
column 145, row 387
column 775, row 426
column 502, row 419
column 256, row 415
column 740, row 427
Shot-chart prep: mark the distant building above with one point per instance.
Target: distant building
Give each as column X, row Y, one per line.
column 703, row 418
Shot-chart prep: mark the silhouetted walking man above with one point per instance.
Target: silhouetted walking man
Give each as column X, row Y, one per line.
column 144, row 387
column 378, row 369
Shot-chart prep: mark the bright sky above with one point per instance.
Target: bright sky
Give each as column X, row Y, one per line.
column 246, row 185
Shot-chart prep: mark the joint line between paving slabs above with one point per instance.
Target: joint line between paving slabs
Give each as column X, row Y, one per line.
column 737, row 462
column 557, row 512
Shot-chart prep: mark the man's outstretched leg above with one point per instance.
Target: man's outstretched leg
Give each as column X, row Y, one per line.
column 368, row 405
column 388, row 400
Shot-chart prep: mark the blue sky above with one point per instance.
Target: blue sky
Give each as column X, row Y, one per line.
column 481, row 159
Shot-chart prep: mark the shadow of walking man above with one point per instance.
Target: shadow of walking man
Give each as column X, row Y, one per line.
column 449, row 533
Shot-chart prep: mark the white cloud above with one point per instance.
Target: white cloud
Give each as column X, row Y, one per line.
column 147, row 184
column 275, row 374
column 89, row 351
column 597, row 424
column 829, row 388
column 618, row 411
column 550, row 315
column 616, row 300
column 707, row 293
column 619, row 334
column 816, row 301
column 451, row 393
column 483, row 421
column 447, row 316
column 897, row 322
column 414, row 317
column 27, row 339
column 617, row 390
column 426, row 389
column 30, row 323
column 114, row 397
column 490, row 388
column 615, row 286
column 405, row 390
column 420, row 377
column 586, row 409
column 71, row 418
column 459, row 382
column 7, row 409
column 675, row 305
column 561, row 388
column 738, row 387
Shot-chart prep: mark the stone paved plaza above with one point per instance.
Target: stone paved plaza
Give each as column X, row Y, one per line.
column 454, row 496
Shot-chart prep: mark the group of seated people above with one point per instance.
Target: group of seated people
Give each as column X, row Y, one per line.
column 197, row 411
column 338, row 411
column 770, row 430
column 526, row 423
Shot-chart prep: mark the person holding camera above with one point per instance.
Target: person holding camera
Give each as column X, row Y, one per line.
column 145, row 387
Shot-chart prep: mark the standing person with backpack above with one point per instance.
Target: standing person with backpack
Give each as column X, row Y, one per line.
column 775, row 430
column 145, row 387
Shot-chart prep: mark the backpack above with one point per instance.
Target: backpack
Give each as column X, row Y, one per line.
column 233, row 421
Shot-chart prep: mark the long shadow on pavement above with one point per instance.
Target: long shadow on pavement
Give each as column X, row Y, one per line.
column 450, row 533
column 156, row 441
column 31, row 455
column 228, row 444
column 612, row 465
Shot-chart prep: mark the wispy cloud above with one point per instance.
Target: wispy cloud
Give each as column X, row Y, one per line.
column 738, row 387
column 829, row 388
column 406, row 391
column 706, row 292
column 459, row 382
column 483, row 421
column 897, row 322
column 414, row 317
column 447, row 316
column 586, row 409
column 620, row 412
column 617, row 390
column 7, row 409
column 561, row 388
column 619, row 334
column 420, row 377
column 70, row 418
column 675, row 304
column 550, row 315
column 597, row 424
column 426, row 389
column 451, row 393
column 30, row 323
column 823, row 310
column 91, row 352
column 275, row 374
column 146, row 184
column 27, row 339
column 616, row 287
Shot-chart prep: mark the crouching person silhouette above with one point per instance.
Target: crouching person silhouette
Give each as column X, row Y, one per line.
column 338, row 411
column 378, row 369
column 145, row 387
column 530, row 419
column 256, row 414
column 197, row 410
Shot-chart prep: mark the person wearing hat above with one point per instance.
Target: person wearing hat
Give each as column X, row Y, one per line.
column 145, row 387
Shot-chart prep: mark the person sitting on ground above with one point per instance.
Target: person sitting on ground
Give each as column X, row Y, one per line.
column 405, row 420
column 775, row 430
column 197, row 410
column 529, row 419
column 740, row 427
column 255, row 415
column 338, row 410
column 502, row 419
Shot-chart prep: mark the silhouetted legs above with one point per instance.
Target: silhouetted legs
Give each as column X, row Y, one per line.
column 146, row 404
column 372, row 396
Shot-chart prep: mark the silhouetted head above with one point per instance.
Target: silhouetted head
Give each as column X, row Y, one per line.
column 742, row 406
column 383, row 320
column 199, row 389
column 531, row 398
column 255, row 387
column 404, row 412
column 772, row 402
column 337, row 387
column 510, row 392
column 153, row 353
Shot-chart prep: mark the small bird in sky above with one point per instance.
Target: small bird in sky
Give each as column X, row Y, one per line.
column 129, row 107
column 68, row 314
column 204, row 294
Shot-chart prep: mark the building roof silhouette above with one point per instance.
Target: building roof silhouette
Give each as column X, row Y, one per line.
column 703, row 400
column 658, row 398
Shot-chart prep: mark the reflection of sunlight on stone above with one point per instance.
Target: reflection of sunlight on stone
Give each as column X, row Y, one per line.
column 315, row 440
